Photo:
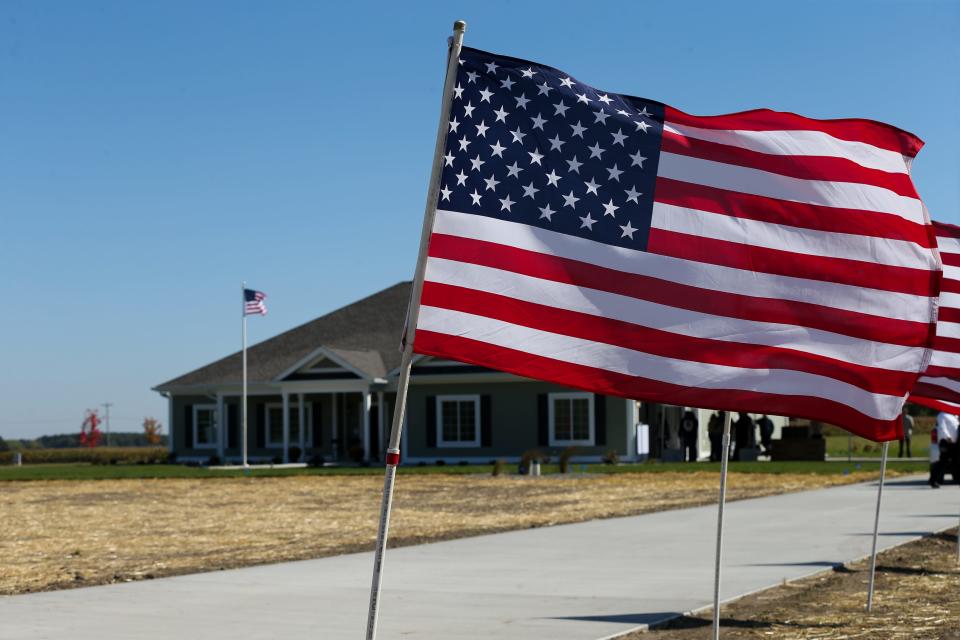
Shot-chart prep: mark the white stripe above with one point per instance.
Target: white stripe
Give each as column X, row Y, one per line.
column 696, row 274
column 670, row 370
column 948, row 245
column 950, row 272
column 945, row 359
column 948, row 329
column 849, row 195
column 949, row 300
column 828, row 244
column 666, row 318
column 945, row 383
column 798, row 143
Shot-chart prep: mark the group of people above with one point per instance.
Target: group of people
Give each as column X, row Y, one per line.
column 944, row 454
column 744, row 434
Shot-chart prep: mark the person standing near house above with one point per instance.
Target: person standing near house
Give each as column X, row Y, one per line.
column 907, row 432
column 935, row 477
column 689, row 433
column 715, row 432
column 745, row 435
column 766, row 432
column 947, row 438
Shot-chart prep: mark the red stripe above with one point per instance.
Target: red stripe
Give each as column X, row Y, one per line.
column 946, row 230
column 794, row 214
column 950, row 285
column 934, row 404
column 657, row 342
column 948, row 314
column 934, row 391
column 719, row 303
column 920, row 282
column 796, row 166
column 951, row 259
column 937, row 371
column 943, row 343
column 871, row 132
column 635, row 387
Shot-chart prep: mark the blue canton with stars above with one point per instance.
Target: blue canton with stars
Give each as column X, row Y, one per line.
column 531, row 144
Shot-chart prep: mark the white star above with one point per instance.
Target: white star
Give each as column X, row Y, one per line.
column 582, row 97
column 453, row 125
column 604, row 98
column 518, row 135
column 448, row 160
column 637, row 160
column 587, row 221
column 482, row 129
column 497, row 149
column 570, row 200
column 514, row 170
column 642, row 126
column 643, row 112
column 468, row 110
column 591, row 187
column 614, row 173
column 522, row 101
column 458, row 90
column 544, row 89
column 609, row 209
column 535, row 157
column 527, row 73
column 578, row 130
column 445, row 193
column 485, row 95
column 619, row 137
column 464, row 143
column 601, row 117
column 623, row 113
column 476, row 162
column 472, row 77
column 547, row 212
column 506, row 203
column 556, row 143
column 507, row 84
column 633, row 194
column 628, row 230
column 491, row 67
column 476, row 197
column 560, row 109
column 567, row 82
column 595, row 150
column 529, row 190
column 501, row 114
column 553, row 178
column 461, row 178
column 538, row 122
column 574, row 165
column 492, row 183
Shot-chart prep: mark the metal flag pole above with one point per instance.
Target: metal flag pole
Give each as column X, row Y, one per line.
column 413, row 311
column 876, row 528
column 243, row 401
column 724, row 460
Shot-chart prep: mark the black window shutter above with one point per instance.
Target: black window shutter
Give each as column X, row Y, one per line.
column 233, row 425
column 431, row 421
column 188, row 426
column 600, row 419
column 486, row 426
column 261, row 425
column 543, row 420
column 317, row 420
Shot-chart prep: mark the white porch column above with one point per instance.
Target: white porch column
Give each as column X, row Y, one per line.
column 380, row 432
column 286, row 427
column 221, row 426
column 367, row 397
column 303, row 428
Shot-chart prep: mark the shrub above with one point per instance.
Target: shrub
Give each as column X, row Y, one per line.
column 96, row 455
column 316, row 460
column 213, row 461
column 499, row 466
column 295, row 454
column 531, row 455
column 564, row 459
column 611, row 457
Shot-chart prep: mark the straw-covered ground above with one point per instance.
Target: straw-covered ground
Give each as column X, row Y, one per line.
column 56, row 534
column 916, row 597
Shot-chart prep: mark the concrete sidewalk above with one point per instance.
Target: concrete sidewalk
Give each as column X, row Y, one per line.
column 580, row 581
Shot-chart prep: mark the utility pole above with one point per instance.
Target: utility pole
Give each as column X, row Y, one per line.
column 106, row 419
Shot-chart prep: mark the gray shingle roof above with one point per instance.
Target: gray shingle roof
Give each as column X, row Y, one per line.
column 365, row 334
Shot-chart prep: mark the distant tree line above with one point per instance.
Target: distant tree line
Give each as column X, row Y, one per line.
column 70, row 440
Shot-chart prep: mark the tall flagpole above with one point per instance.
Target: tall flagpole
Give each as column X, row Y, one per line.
column 876, row 528
column 413, row 312
column 243, row 402
column 724, row 459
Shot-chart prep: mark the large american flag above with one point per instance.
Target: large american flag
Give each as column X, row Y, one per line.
column 759, row 261
column 253, row 302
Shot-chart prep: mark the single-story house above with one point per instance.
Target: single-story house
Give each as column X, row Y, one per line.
column 326, row 389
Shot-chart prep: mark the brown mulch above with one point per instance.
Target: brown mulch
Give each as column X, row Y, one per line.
column 917, row 596
column 59, row 534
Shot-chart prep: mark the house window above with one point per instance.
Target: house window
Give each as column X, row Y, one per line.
column 274, row 426
column 204, row 426
column 458, row 421
column 571, row 419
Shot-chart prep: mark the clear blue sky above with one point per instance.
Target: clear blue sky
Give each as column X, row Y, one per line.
column 153, row 155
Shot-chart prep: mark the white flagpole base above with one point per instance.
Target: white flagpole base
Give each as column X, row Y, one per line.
column 876, row 529
column 724, row 460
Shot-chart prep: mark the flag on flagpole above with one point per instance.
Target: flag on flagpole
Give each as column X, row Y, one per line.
column 253, row 302
column 758, row 261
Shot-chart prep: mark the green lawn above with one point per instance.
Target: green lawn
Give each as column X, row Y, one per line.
column 837, row 447
column 100, row 472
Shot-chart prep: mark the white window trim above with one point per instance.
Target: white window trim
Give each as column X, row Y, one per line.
column 556, row 442
column 294, row 407
column 197, row 408
column 476, row 413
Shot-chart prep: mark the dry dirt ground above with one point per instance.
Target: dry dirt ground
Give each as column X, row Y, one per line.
column 916, row 598
column 58, row 534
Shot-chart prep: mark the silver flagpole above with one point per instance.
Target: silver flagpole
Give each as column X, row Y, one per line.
column 876, row 528
column 724, row 460
column 413, row 312
column 243, row 403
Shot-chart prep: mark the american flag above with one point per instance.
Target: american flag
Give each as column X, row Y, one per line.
column 759, row 261
column 253, row 302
